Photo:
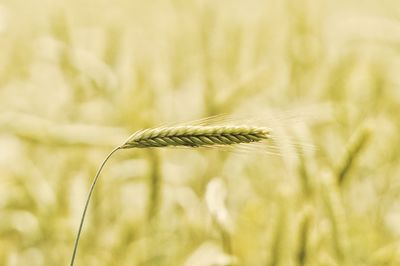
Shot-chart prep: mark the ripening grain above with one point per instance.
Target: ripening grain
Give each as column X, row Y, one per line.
column 196, row 136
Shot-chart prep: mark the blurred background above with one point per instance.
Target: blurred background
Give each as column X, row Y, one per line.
column 78, row 77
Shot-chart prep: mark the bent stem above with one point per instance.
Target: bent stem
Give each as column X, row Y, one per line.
column 87, row 204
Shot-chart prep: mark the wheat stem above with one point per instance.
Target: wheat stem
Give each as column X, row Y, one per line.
column 87, row 204
column 354, row 150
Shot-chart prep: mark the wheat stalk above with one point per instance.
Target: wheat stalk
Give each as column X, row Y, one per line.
column 186, row 136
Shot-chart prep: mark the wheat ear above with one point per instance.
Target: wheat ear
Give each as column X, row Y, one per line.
column 187, row 136
column 196, row 136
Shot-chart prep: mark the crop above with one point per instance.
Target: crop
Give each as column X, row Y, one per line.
column 187, row 136
column 196, row 136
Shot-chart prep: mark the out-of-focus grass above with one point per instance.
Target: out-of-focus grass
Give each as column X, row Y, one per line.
column 77, row 77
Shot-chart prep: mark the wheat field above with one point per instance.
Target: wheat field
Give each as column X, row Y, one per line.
column 77, row 78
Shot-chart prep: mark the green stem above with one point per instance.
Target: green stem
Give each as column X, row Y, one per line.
column 87, row 204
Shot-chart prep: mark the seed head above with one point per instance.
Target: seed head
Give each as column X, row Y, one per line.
column 196, row 136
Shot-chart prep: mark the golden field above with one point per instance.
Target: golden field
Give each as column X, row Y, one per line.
column 78, row 77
